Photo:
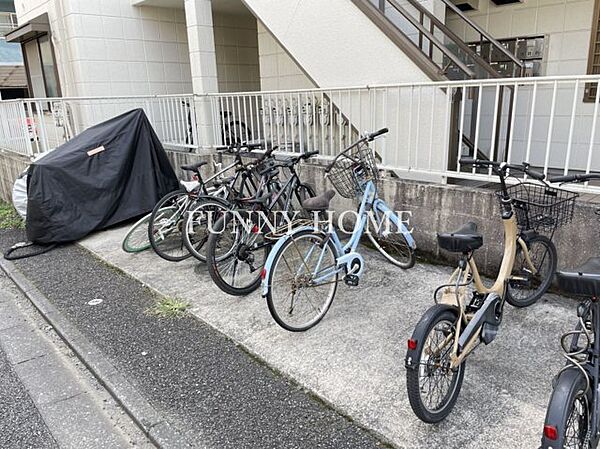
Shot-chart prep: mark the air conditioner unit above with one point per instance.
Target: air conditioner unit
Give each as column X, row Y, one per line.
column 466, row 5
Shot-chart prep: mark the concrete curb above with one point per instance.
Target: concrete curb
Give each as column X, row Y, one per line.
column 139, row 409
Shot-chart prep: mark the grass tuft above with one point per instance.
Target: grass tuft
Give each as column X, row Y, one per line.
column 9, row 218
column 169, row 308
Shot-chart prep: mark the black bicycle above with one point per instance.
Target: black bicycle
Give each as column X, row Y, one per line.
column 573, row 414
column 238, row 245
column 167, row 220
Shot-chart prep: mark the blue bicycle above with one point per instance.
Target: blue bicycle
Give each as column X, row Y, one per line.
column 304, row 267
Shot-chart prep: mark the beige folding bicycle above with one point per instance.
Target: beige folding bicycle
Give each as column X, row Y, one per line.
column 467, row 312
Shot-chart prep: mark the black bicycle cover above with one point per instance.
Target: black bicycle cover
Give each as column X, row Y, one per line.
column 109, row 173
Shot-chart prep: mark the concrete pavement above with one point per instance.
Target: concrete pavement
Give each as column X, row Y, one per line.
column 354, row 358
column 207, row 389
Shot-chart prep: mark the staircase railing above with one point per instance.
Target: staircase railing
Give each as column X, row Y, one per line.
column 485, row 52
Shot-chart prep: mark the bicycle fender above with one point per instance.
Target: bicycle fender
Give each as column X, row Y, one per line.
column 567, row 384
column 381, row 205
column 420, row 331
column 271, row 257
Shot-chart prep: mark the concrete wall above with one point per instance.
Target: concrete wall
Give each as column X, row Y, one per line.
column 236, row 45
column 439, row 208
column 110, row 47
column 11, row 166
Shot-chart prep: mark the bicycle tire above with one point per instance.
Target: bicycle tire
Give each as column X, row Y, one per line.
column 214, row 258
column 195, row 246
column 568, row 396
column 439, row 313
column 513, row 286
column 400, row 244
column 271, row 302
column 156, row 243
column 136, row 239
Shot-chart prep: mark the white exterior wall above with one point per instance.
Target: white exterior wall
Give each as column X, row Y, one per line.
column 565, row 23
column 335, row 43
column 277, row 69
column 236, row 46
column 109, row 47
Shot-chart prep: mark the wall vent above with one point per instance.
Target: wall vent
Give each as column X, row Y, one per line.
column 467, row 5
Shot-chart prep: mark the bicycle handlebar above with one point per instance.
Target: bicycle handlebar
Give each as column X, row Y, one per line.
column 575, row 178
column 501, row 167
column 373, row 135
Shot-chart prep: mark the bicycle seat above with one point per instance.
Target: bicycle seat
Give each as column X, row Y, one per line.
column 583, row 280
column 463, row 240
column 193, row 167
column 318, row 203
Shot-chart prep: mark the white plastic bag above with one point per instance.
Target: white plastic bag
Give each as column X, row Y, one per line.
column 19, row 195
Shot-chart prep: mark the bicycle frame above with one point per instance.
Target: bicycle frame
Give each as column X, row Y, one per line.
column 455, row 294
column 345, row 253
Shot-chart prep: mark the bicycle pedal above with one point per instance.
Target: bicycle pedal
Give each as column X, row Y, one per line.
column 351, row 280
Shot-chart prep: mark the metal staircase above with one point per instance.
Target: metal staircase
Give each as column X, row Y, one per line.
column 443, row 55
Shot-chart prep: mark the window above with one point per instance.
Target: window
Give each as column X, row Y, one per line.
column 41, row 67
column 594, row 55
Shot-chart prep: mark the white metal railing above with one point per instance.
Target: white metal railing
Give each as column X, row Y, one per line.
column 37, row 125
column 8, row 22
column 543, row 121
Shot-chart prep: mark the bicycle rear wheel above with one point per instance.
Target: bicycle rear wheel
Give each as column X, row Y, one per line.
column 525, row 288
column 567, row 420
column 302, row 281
column 433, row 386
column 391, row 242
column 136, row 239
column 235, row 256
column 165, row 226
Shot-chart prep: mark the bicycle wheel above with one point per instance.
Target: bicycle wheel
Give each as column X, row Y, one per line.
column 568, row 416
column 165, row 226
column 136, row 239
column 203, row 214
column 391, row 243
column 433, row 386
column 525, row 288
column 235, row 256
column 297, row 298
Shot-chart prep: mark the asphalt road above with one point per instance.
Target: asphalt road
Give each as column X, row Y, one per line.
column 205, row 386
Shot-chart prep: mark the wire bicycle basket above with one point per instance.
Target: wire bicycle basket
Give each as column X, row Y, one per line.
column 352, row 169
column 541, row 207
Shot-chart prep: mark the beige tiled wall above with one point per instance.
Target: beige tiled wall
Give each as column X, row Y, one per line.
column 277, row 69
column 565, row 23
column 109, row 47
column 236, row 46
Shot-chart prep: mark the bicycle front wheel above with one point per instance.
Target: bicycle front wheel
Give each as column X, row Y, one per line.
column 302, row 281
column 198, row 223
column 136, row 239
column 525, row 287
column 391, row 242
column 433, row 385
column 165, row 226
